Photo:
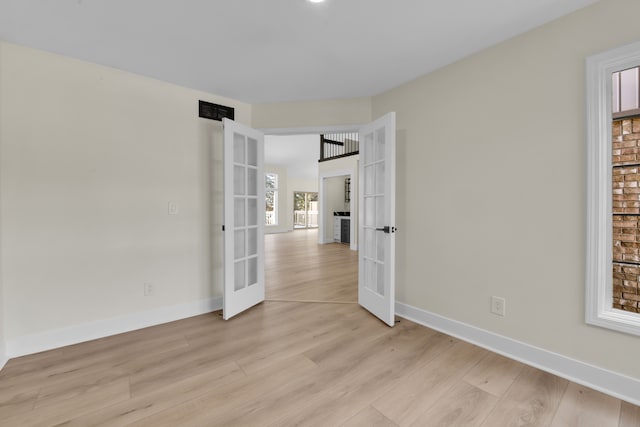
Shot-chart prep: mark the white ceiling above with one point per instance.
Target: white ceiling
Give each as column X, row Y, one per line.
column 299, row 154
column 274, row 50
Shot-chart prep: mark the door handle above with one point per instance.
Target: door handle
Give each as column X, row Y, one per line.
column 387, row 229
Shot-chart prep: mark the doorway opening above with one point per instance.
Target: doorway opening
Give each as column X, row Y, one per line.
column 305, row 209
column 300, row 265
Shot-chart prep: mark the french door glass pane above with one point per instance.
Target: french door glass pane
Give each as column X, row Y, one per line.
column 252, row 271
column 252, row 182
column 239, row 276
column 239, row 213
column 252, row 211
column 252, row 152
column 238, row 180
column 239, row 244
column 238, row 148
column 379, row 153
column 252, row 241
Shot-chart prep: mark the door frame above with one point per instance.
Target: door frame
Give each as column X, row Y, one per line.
column 317, row 130
column 322, row 177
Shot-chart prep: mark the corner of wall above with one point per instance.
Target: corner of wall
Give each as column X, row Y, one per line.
column 3, row 353
column 56, row 338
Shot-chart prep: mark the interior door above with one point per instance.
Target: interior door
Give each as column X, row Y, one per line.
column 377, row 206
column 244, row 216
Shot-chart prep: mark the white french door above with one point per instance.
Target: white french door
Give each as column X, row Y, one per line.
column 377, row 206
column 244, row 217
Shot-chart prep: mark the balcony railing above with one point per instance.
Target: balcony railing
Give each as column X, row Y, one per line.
column 336, row 145
column 270, row 218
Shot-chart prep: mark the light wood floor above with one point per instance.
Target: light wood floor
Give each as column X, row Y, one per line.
column 286, row 363
column 298, row 269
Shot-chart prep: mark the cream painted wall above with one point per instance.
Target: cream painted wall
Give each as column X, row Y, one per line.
column 491, row 184
column 301, row 184
column 3, row 354
column 90, row 157
column 333, row 201
column 283, row 203
column 312, row 113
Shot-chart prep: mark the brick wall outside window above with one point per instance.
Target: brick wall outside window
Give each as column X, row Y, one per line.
column 626, row 214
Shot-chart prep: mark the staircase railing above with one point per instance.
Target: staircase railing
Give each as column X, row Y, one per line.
column 336, row 145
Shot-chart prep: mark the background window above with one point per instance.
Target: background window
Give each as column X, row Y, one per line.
column 271, row 196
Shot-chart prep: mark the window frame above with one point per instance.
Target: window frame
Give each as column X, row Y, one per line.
column 599, row 245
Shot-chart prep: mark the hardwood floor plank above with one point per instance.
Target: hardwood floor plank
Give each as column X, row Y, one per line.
column 369, row 417
column 532, row 400
column 462, row 405
column 64, row 367
column 138, row 408
column 12, row 404
column 421, row 388
column 58, row 413
column 93, row 381
column 494, row 374
column 583, row 407
column 351, row 386
column 227, row 401
column 289, row 274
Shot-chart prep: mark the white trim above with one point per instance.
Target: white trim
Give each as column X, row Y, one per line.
column 609, row 382
column 353, row 245
column 56, row 338
column 599, row 251
column 310, row 130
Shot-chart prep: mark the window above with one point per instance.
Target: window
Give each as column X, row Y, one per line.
column 613, row 190
column 305, row 210
column 271, row 196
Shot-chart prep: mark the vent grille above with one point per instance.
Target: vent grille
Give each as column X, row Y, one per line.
column 208, row 110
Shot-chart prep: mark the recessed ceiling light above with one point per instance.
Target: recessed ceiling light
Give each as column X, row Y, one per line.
column 316, row 1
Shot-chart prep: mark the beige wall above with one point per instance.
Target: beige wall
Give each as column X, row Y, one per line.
column 313, row 113
column 2, row 305
column 491, row 185
column 90, row 158
column 333, row 200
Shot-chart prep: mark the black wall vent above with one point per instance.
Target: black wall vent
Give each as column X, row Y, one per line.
column 211, row 111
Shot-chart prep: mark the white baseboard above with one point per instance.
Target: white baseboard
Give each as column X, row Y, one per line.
column 56, row 338
column 605, row 381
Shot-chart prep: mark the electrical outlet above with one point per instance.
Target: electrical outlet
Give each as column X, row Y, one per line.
column 172, row 208
column 149, row 289
column 498, row 306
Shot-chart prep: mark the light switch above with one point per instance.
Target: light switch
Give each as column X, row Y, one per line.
column 173, row 208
